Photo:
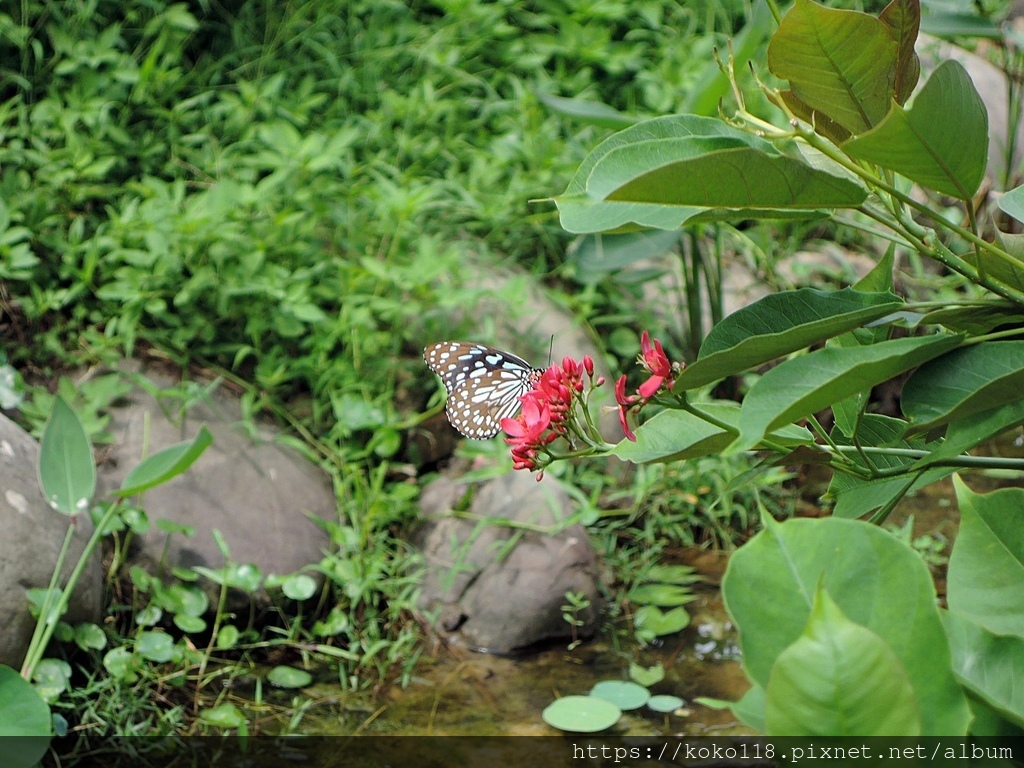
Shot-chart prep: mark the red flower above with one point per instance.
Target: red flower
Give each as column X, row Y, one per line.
column 626, row 402
column 656, row 361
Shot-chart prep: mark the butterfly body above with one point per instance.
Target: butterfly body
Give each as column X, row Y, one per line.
column 484, row 384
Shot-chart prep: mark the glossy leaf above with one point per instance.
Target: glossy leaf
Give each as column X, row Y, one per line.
column 805, row 385
column 67, row 474
column 166, row 464
column 665, row 172
column 988, row 665
column 839, row 679
column 941, row 141
column 877, row 581
column 839, row 63
column 986, row 567
column 963, row 383
column 673, row 435
column 779, row 324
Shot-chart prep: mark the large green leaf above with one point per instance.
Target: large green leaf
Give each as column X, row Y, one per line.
column 941, row 141
column 665, row 172
column 802, row 386
column 877, row 581
column 840, row 63
column 839, row 679
column 67, row 474
column 714, row 175
column 25, row 726
column 986, row 567
column 675, row 435
column 963, row 383
column 778, row 325
column 988, row 665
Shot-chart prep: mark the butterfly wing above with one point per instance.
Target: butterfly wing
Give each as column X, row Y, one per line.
column 484, row 384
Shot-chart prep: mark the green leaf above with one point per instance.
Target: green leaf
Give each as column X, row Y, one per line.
column 665, row 703
column 673, row 435
column 858, row 496
column 666, row 595
column 581, row 714
column 89, row 636
column 67, row 474
column 652, row 621
column 877, row 581
column 716, row 175
column 963, row 435
column 299, row 586
column 1012, row 203
column 624, row 694
column 779, row 324
column 941, row 141
column 155, row 646
column 590, row 112
column 23, row 714
column 166, row 464
column 802, row 386
column 963, row 383
column 595, row 256
column 976, row 320
column 685, row 155
column 952, row 25
column 986, row 567
column 903, row 20
column 289, row 677
column 987, row 665
column 647, row 676
column 224, row 716
column 840, row 63
column 839, row 679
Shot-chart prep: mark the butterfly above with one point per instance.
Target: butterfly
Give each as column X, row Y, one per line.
column 484, row 384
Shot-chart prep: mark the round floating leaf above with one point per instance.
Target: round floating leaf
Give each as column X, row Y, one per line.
column 581, row 714
column 665, row 703
column 622, row 693
column 289, row 677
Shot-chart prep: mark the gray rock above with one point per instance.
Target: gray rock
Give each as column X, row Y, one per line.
column 260, row 495
column 33, row 534
column 496, row 579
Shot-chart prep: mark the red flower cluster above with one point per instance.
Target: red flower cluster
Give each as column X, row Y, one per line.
column 654, row 359
column 546, row 410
